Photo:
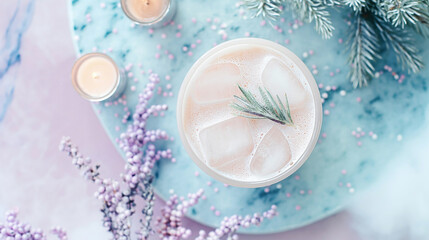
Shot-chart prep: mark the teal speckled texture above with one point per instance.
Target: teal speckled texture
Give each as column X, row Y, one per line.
column 338, row 167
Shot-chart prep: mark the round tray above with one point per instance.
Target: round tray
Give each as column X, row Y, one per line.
column 361, row 127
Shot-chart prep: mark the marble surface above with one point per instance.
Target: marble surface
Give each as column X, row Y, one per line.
column 36, row 55
column 341, row 165
column 34, row 176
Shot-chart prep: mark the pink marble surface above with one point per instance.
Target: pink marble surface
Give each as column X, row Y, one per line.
column 41, row 181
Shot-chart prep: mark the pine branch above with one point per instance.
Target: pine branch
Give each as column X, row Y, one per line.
column 363, row 46
column 356, row 5
column 331, row 3
column 402, row 44
column 422, row 26
column 315, row 10
column 421, row 29
column 269, row 9
column 402, row 12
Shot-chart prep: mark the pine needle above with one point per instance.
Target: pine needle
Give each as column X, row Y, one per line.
column 402, row 12
column 315, row 10
column 248, row 106
column 363, row 46
column 357, row 5
column 400, row 40
column 269, row 9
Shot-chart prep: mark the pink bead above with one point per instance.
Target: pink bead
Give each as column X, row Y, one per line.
column 217, row 213
column 298, row 207
column 197, row 174
column 324, row 135
column 288, row 195
column 178, row 35
column 344, row 172
column 297, row 177
column 212, row 208
column 163, row 35
column 358, row 99
column 266, row 190
column 179, row 26
column 359, row 144
column 327, row 112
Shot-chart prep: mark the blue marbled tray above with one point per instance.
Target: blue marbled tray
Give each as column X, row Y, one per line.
column 338, row 167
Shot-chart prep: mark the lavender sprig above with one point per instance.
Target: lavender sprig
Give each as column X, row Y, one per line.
column 119, row 201
column 13, row 229
column 230, row 225
column 170, row 224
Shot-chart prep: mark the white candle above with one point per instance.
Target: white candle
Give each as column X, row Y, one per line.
column 149, row 12
column 96, row 77
column 240, row 151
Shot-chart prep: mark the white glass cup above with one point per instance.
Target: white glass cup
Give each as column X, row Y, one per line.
column 188, row 145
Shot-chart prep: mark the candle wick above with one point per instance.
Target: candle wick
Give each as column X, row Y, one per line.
column 96, row 75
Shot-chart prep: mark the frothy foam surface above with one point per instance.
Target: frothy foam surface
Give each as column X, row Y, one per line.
column 241, row 148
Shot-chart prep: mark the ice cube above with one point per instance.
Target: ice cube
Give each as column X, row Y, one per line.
column 216, row 83
column 272, row 154
column 226, row 141
column 279, row 79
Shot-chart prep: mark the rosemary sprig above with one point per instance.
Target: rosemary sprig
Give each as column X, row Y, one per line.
column 249, row 107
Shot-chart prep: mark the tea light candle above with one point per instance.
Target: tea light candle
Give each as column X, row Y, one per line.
column 96, row 77
column 149, row 12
